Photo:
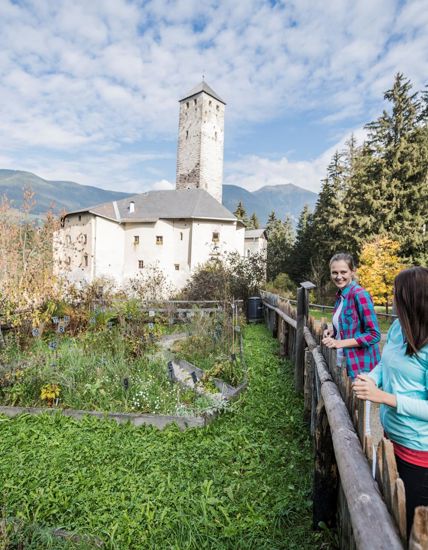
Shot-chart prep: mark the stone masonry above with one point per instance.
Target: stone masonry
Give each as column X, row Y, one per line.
column 201, row 141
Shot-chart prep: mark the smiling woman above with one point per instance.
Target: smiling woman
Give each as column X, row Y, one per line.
column 355, row 327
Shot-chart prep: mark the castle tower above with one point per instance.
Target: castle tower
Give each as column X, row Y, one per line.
column 201, row 141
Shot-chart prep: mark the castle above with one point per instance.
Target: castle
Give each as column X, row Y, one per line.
column 176, row 230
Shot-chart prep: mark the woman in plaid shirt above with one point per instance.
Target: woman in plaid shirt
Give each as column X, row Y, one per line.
column 355, row 327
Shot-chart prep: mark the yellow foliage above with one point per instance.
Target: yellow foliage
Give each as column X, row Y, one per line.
column 50, row 392
column 379, row 265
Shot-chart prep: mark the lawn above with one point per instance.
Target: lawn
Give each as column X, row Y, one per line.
column 244, row 482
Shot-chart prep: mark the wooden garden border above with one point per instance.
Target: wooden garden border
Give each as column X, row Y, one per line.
column 344, row 491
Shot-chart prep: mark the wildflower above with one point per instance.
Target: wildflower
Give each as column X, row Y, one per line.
column 35, row 332
column 55, row 320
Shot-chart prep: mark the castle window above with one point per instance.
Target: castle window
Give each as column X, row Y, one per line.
column 85, row 239
column 181, row 235
column 216, row 237
column 140, row 264
column 159, row 239
column 187, row 104
column 217, row 107
column 210, row 102
column 187, row 134
column 177, row 267
column 85, row 260
column 195, row 101
column 80, row 218
column 136, row 239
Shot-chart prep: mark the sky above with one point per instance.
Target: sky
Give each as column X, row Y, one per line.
column 89, row 90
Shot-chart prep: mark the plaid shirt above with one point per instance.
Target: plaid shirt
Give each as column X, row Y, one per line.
column 358, row 320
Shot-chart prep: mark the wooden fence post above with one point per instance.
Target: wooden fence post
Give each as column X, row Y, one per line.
column 325, row 473
column 419, row 534
column 300, row 341
column 302, row 316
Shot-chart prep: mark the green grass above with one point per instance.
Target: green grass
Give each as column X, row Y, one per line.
column 244, row 482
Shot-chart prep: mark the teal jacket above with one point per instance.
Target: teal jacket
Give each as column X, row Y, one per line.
column 407, row 378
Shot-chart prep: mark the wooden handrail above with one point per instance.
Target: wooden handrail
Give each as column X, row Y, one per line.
column 283, row 315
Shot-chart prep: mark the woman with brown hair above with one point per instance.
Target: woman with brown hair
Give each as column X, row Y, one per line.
column 402, row 373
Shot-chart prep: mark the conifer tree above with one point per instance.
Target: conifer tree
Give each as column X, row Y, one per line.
column 241, row 213
column 254, row 222
column 299, row 266
column 279, row 247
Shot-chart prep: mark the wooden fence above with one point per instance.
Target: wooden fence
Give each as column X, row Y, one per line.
column 369, row 513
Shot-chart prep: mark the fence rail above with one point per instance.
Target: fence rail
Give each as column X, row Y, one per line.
column 323, row 307
column 369, row 513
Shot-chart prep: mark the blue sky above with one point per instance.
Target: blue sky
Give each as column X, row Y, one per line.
column 89, row 90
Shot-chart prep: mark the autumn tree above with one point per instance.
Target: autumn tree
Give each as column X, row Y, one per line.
column 26, row 255
column 379, row 265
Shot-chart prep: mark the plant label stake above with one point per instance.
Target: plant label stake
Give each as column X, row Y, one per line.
column 171, row 374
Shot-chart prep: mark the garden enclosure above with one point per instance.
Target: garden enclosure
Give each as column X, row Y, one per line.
column 369, row 513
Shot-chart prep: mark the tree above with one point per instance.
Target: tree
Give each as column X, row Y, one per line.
column 329, row 218
column 241, row 213
column 299, row 268
column 390, row 183
column 279, row 246
column 379, row 265
column 254, row 222
column 233, row 276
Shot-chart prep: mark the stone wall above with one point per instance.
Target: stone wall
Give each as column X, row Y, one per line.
column 201, row 144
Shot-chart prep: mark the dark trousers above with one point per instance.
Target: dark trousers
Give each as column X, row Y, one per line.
column 415, row 479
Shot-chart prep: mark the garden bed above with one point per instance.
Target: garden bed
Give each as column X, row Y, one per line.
column 116, row 368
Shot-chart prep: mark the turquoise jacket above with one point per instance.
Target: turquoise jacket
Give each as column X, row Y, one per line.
column 407, row 378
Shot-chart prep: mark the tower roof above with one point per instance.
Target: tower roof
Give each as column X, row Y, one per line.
column 203, row 87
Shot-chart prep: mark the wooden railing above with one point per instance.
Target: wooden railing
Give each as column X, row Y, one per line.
column 370, row 513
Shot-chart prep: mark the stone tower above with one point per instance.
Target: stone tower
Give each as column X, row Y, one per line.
column 201, row 141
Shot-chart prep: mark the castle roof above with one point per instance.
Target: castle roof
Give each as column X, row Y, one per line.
column 154, row 205
column 202, row 87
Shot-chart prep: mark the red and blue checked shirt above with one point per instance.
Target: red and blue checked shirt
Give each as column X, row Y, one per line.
column 358, row 320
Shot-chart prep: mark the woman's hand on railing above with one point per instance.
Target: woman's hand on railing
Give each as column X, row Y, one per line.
column 365, row 388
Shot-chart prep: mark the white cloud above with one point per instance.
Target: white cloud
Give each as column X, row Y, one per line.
column 253, row 172
column 90, row 77
column 162, row 184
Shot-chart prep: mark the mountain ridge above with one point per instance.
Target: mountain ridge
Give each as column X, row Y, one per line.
column 63, row 195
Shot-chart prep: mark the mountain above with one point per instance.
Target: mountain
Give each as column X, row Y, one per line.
column 68, row 196
column 58, row 195
column 284, row 199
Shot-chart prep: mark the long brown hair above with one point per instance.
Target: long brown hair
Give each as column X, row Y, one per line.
column 411, row 301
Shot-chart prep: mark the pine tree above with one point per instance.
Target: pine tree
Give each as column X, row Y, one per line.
column 399, row 147
column 299, row 266
column 254, row 222
column 241, row 213
column 329, row 218
column 279, row 247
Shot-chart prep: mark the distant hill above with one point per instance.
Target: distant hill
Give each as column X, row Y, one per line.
column 58, row 195
column 66, row 195
column 284, row 199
